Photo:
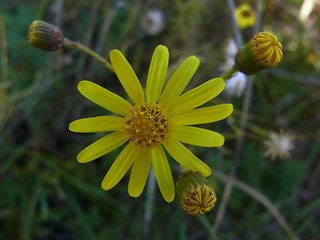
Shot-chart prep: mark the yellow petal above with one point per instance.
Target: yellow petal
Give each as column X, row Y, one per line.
column 163, row 173
column 157, row 73
column 127, row 76
column 104, row 98
column 183, row 156
column 203, row 115
column 97, row 124
column 139, row 172
column 120, row 166
column 102, row 146
column 197, row 136
column 179, row 80
column 196, row 96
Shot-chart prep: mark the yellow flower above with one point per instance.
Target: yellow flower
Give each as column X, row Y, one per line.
column 157, row 119
column 245, row 16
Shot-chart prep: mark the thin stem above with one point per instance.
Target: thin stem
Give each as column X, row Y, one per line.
column 230, row 73
column 257, row 26
column 75, row 45
column 236, row 29
column 262, row 199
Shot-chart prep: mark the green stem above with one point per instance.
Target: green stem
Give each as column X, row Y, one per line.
column 76, row 45
column 230, row 73
column 258, row 130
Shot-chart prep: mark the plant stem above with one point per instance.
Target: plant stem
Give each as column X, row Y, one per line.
column 263, row 200
column 76, row 45
column 230, row 73
column 238, row 34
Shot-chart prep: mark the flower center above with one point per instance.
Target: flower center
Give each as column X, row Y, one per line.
column 148, row 125
column 246, row 14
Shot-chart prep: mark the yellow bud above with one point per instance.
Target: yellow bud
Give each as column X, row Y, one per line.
column 45, row 36
column 261, row 52
column 267, row 49
column 195, row 194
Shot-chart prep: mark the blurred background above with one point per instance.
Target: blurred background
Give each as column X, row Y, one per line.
column 46, row 194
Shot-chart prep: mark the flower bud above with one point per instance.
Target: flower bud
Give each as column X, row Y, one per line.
column 45, row 36
column 195, row 194
column 261, row 52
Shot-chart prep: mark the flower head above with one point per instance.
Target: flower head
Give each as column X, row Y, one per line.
column 45, row 36
column 261, row 52
column 279, row 145
column 155, row 121
column 196, row 195
column 245, row 16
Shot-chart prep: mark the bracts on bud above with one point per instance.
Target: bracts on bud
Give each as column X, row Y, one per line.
column 45, row 36
column 196, row 195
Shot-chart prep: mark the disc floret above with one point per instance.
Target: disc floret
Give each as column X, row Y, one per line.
column 148, row 125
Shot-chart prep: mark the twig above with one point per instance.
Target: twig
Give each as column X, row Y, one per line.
column 257, row 26
column 262, row 199
column 235, row 27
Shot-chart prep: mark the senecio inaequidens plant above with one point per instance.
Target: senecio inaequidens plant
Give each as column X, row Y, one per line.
column 160, row 118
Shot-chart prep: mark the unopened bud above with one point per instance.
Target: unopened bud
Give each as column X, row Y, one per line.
column 196, row 195
column 45, row 36
column 261, row 52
